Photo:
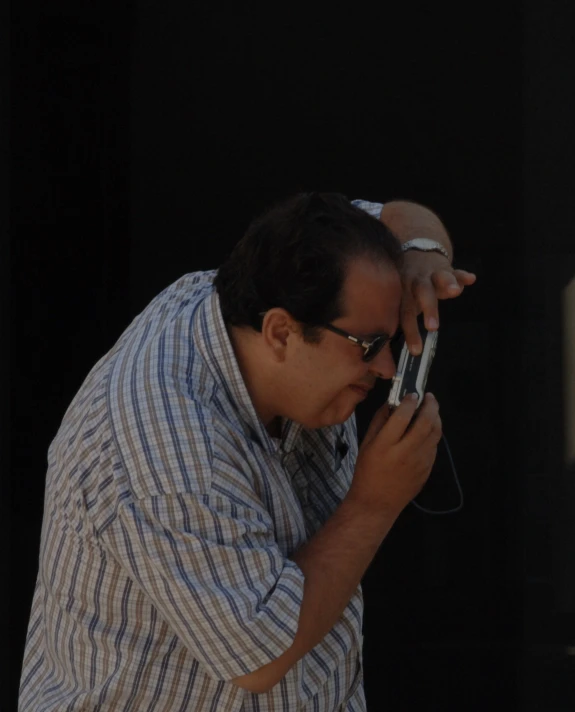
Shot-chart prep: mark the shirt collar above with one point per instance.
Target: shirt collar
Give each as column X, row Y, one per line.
column 212, row 341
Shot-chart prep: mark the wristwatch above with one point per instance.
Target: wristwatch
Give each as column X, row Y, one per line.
column 424, row 245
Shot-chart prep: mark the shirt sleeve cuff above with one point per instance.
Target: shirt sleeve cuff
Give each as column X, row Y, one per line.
column 373, row 209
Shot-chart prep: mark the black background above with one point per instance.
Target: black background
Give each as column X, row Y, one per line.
column 145, row 136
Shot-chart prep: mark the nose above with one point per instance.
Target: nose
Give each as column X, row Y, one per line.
column 383, row 365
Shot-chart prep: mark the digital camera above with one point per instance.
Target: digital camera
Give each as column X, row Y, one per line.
column 412, row 371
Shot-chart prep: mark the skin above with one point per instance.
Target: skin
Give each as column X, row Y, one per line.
column 310, row 383
column 426, row 276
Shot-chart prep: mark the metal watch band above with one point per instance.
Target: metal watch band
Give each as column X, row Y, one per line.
column 425, row 245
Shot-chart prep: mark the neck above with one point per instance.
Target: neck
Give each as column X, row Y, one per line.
column 253, row 375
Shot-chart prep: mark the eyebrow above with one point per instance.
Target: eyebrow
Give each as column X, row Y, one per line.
column 375, row 334
column 369, row 337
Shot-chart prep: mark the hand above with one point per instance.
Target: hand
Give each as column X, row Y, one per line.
column 396, row 455
column 427, row 277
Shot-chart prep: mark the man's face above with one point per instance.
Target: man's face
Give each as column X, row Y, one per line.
column 315, row 388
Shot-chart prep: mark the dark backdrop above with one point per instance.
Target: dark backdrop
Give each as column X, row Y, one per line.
column 146, row 136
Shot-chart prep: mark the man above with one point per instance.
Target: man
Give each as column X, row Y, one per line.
column 208, row 516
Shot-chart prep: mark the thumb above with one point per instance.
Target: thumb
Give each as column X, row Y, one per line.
column 380, row 418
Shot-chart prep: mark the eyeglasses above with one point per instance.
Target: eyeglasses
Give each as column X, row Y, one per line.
column 370, row 348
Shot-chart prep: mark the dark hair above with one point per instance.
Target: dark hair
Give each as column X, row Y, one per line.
column 295, row 256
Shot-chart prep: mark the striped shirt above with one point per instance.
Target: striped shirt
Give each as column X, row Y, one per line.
column 169, row 517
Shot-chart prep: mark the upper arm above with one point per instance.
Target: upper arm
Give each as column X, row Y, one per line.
column 212, row 569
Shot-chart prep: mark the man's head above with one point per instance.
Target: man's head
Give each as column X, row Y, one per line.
column 311, row 261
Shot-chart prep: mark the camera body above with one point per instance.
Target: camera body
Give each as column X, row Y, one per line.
column 412, row 371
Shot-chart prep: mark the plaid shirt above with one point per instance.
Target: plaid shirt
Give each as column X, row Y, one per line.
column 169, row 517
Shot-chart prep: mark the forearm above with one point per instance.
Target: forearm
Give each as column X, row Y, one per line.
column 408, row 220
column 333, row 562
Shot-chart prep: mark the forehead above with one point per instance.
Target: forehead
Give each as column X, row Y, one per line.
column 371, row 297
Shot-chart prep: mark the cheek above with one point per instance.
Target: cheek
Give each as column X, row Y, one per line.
column 328, row 375
column 321, row 393
column 338, row 384
column 339, row 408
column 338, row 377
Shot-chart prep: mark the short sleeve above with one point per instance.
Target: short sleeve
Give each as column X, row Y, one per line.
column 211, row 567
column 374, row 209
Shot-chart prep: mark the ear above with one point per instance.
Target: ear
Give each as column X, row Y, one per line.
column 277, row 327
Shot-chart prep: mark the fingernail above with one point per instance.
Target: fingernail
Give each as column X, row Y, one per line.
column 415, row 349
column 413, row 396
column 454, row 287
column 430, row 395
column 432, row 323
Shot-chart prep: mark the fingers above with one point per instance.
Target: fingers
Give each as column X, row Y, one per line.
column 421, row 294
column 398, row 421
column 409, row 327
column 425, row 297
column 465, row 278
column 426, row 425
column 450, row 283
column 446, row 284
column 379, row 419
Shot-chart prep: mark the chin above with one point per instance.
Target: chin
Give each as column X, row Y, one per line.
column 336, row 418
column 336, row 413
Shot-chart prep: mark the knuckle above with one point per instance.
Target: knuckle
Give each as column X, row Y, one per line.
column 423, row 285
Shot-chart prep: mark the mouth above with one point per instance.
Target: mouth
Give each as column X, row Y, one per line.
column 360, row 390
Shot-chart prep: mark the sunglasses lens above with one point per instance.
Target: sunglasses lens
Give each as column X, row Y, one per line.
column 374, row 349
